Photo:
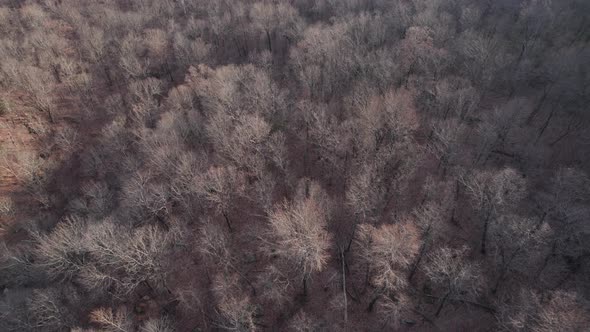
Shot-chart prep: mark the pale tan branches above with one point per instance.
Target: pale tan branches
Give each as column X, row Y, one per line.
column 324, row 132
column 446, row 141
column 264, row 188
column 393, row 308
column 161, row 148
column 184, row 172
column 48, row 308
column 162, row 324
column 495, row 191
column 303, row 322
column 63, row 252
column 530, row 310
column 36, row 82
column 190, row 299
column 220, row 187
column 190, row 51
column 130, row 62
column 234, row 306
column 131, row 256
column 181, row 99
column 429, row 218
column 237, row 91
column 365, row 192
column 120, row 320
column 298, row 232
column 455, row 95
column 213, row 244
column 389, row 252
column 387, row 119
column 145, row 95
column 275, row 19
column 93, row 43
column 26, row 166
column 450, row 269
column 517, row 240
column 242, row 139
column 275, row 286
column 33, row 16
column 144, row 198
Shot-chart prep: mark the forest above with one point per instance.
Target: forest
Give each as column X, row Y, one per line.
column 294, row 165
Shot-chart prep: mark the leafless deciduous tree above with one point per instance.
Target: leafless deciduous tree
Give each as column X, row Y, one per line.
column 458, row 278
column 144, row 198
column 49, row 310
column 516, row 242
column 493, row 193
column 555, row 311
column 111, row 320
column 162, row 324
column 63, row 253
column 276, row 21
column 221, row 187
column 389, row 252
column 34, row 81
column 303, row 322
column 298, row 231
column 234, row 306
column 565, row 205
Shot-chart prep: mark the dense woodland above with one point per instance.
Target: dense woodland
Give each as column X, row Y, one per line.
column 295, row 165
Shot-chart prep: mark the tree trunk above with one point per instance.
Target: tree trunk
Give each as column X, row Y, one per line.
column 344, row 287
column 539, row 105
column 546, row 124
column 500, row 278
column 108, row 75
column 356, row 221
column 441, row 304
column 168, row 71
column 373, row 301
column 418, row 260
column 546, row 260
column 50, row 114
column 268, row 41
column 227, row 221
column 484, row 235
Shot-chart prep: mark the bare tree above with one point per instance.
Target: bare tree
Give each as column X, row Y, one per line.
column 459, row 279
column 529, row 310
column 63, row 252
column 389, row 252
column 36, row 82
column 298, row 232
column 565, row 205
column 221, row 187
column 515, row 242
column 275, row 286
column 213, row 244
column 430, row 221
column 234, row 307
column 492, row 193
column 303, row 322
column 144, row 198
column 50, row 308
column 131, row 257
column 388, row 119
column 119, row 320
column 445, row 143
column 162, row 324
column 275, row 20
